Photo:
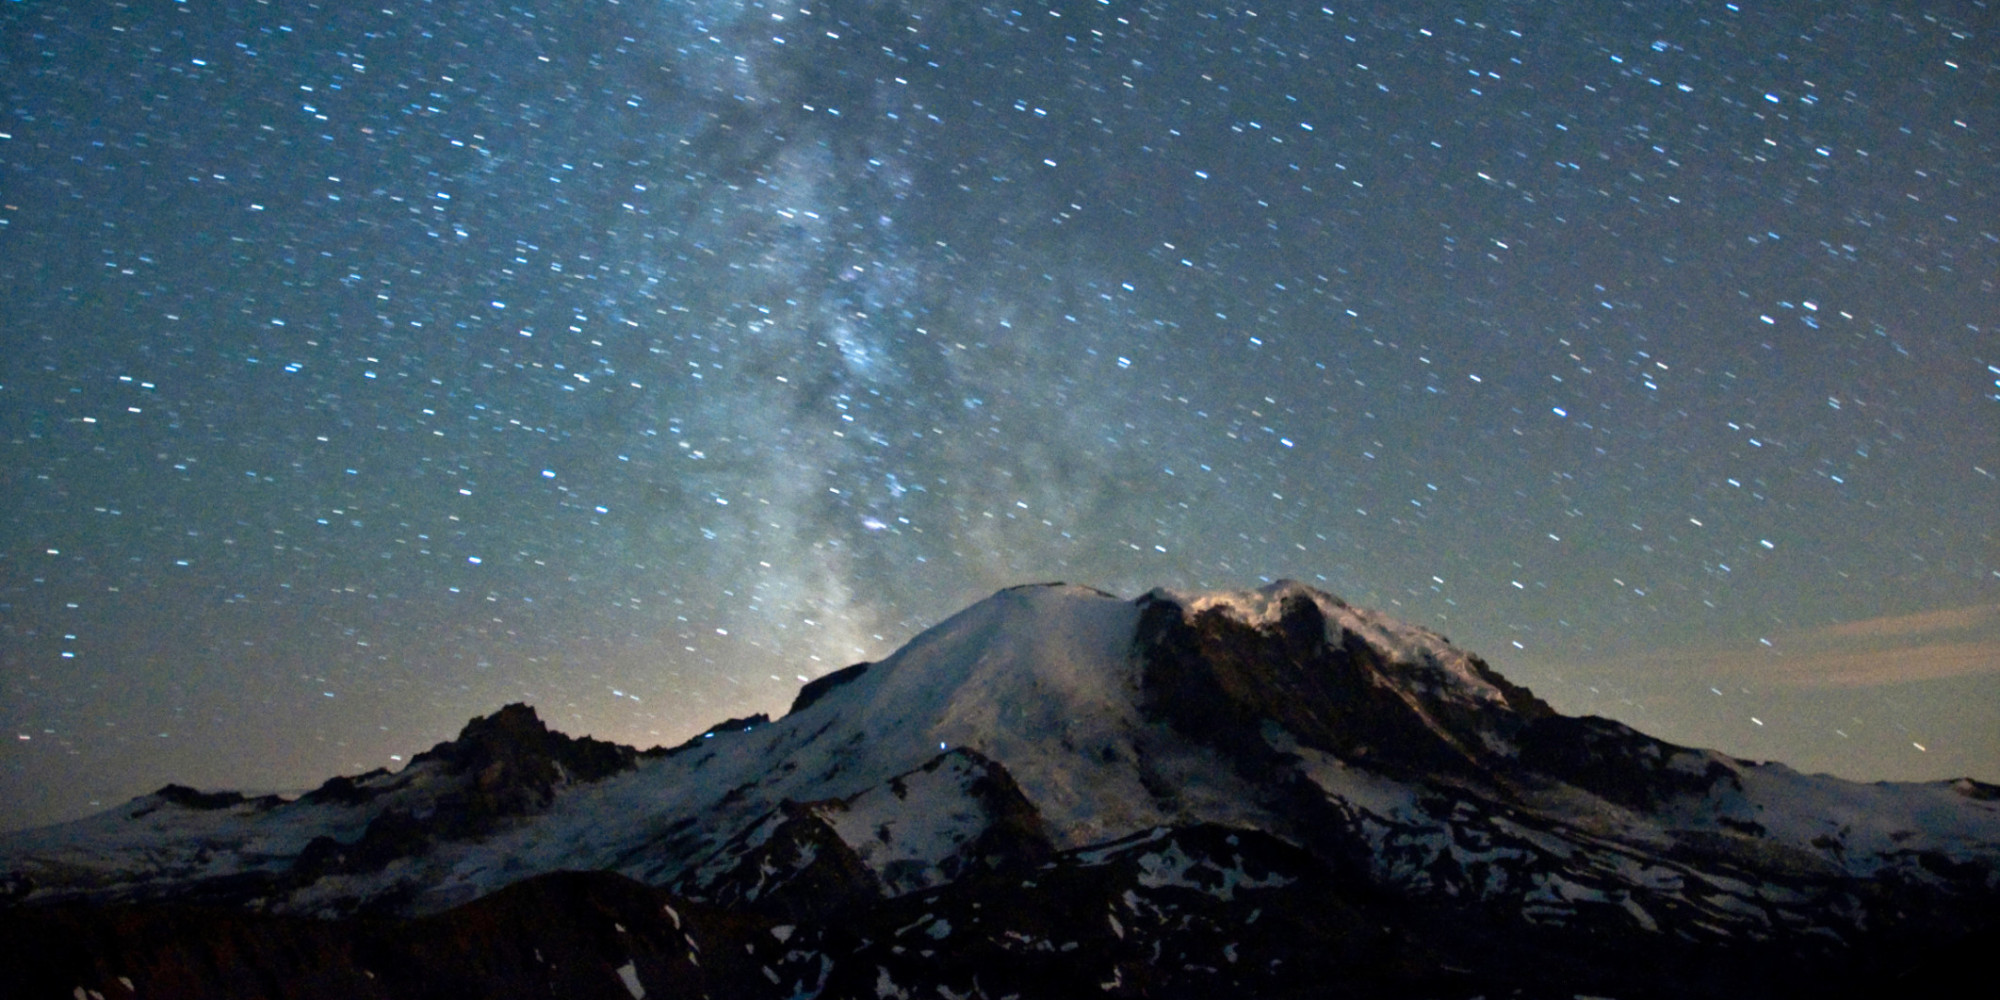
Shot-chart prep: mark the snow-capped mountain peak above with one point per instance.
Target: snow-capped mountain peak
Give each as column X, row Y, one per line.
column 1041, row 733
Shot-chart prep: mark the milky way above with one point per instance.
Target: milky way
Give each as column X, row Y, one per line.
column 368, row 369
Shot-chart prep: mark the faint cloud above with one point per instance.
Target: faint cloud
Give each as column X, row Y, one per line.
column 1947, row 620
column 1929, row 662
column 1871, row 652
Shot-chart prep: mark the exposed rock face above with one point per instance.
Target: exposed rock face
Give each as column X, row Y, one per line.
column 190, row 798
column 801, row 869
column 1620, row 764
column 503, row 767
column 1266, row 793
column 1221, row 679
column 512, row 749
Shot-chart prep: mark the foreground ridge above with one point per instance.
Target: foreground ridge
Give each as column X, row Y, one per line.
column 1268, row 791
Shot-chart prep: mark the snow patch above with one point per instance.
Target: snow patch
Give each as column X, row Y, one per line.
column 1173, row 867
column 905, row 829
column 629, row 975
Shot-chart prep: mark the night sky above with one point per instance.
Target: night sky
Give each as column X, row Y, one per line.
column 369, row 366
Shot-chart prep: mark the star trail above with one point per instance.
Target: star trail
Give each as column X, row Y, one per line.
column 370, row 366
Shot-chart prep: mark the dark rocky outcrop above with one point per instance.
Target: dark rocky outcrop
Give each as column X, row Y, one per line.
column 200, row 801
column 802, row 870
column 518, row 759
column 1617, row 762
column 346, row 790
column 190, row 798
column 1978, row 791
column 819, row 687
column 1014, row 839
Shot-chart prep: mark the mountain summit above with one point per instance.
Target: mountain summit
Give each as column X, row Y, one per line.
column 1054, row 791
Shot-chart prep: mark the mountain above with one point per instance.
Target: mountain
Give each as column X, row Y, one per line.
column 1054, row 792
